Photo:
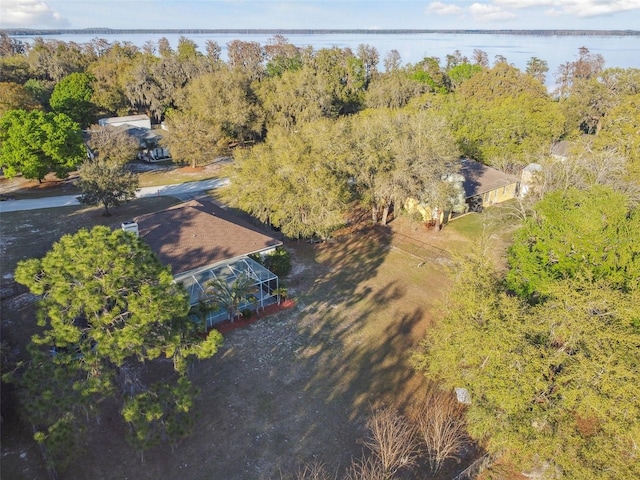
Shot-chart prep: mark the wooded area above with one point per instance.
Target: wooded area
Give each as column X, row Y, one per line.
column 547, row 347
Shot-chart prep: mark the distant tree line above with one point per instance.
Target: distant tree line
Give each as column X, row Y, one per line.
column 306, row 31
column 546, row 349
column 301, row 120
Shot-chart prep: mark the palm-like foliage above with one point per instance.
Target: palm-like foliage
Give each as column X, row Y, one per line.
column 230, row 296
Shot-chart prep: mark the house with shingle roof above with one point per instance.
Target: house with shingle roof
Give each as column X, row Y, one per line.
column 485, row 186
column 475, row 185
column 139, row 127
column 202, row 242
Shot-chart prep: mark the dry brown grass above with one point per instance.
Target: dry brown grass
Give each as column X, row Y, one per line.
column 32, row 233
column 18, row 188
column 288, row 390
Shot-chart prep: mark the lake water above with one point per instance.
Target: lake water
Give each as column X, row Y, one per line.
column 618, row 51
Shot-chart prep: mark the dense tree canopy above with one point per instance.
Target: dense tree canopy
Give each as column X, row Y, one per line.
column 291, row 182
column 14, row 96
column 55, row 59
column 225, row 99
column 499, row 115
column 394, row 156
column 619, row 132
column 40, row 89
column 590, row 235
column 502, row 116
column 72, row 96
column 461, row 73
column 141, row 88
column 111, row 71
column 302, row 180
column 106, row 305
column 281, row 56
column 294, row 97
column 36, row 143
column 431, row 74
column 194, row 140
column 14, row 69
column 341, row 75
column 393, row 90
column 553, row 385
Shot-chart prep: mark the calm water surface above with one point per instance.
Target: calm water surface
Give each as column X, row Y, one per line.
column 618, row 51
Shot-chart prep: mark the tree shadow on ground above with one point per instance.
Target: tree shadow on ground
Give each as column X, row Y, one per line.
column 299, row 385
column 355, row 335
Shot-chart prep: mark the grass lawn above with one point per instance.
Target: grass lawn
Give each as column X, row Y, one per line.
column 171, row 174
column 32, row 233
column 286, row 389
column 18, row 188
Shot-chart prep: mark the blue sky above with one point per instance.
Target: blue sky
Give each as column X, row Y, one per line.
column 345, row 14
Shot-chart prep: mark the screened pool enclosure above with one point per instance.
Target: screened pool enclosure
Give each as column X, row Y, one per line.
column 263, row 291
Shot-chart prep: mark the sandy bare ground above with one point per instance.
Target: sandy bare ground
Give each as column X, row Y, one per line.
column 290, row 388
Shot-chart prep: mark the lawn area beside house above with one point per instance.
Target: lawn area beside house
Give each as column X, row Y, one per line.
column 149, row 175
column 289, row 388
column 31, row 233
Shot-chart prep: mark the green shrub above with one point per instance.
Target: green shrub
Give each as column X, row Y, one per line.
column 278, row 261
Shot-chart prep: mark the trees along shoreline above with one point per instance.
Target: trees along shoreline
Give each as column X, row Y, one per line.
column 548, row 352
column 327, row 131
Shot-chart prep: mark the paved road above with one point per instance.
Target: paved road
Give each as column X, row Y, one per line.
column 183, row 191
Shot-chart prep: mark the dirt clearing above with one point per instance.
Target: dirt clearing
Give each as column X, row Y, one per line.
column 291, row 388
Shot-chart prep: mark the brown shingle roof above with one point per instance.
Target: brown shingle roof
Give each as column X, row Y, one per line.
column 192, row 235
column 479, row 179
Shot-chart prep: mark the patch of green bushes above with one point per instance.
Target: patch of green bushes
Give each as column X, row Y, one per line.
column 278, row 261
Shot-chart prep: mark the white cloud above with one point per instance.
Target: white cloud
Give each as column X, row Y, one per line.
column 488, row 13
column 553, row 12
column 440, row 8
column 500, row 10
column 592, row 8
column 534, row 3
column 29, row 14
column 580, row 8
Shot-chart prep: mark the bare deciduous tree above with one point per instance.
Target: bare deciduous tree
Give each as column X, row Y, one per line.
column 314, row 470
column 392, row 440
column 481, row 58
column 112, row 144
column 247, row 56
column 392, row 61
column 441, row 427
column 366, row 468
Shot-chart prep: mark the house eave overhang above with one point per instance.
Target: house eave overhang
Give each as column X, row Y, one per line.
column 188, row 273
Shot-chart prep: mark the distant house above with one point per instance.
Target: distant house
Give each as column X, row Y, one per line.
column 485, row 186
column 434, row 216
column 560, row 150
column 142, row 121
column 528, row 178
column 139, row 127
column 201, row 241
